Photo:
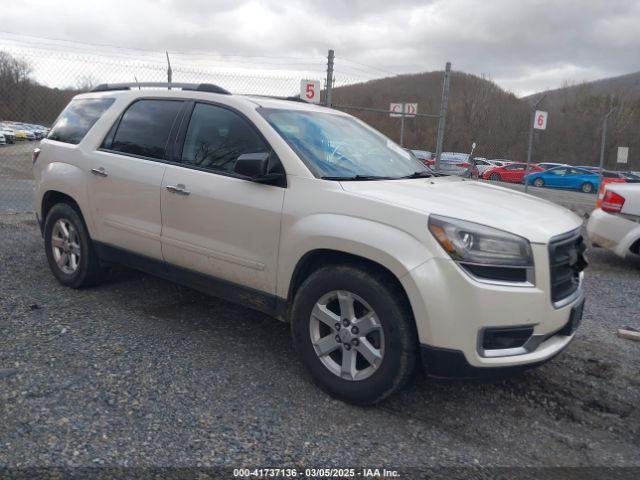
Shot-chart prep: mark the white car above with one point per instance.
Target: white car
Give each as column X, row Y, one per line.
column 482, row 164
column 616, row 224
column 312, row 216
column 500, row 162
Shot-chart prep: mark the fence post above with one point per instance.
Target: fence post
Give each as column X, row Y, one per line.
column 443, row 114
column 603, row 142
column 530, row 149
column 402, row 126
column 327, row 92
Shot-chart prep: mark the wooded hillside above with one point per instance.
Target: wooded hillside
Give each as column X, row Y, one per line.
column 498, row 121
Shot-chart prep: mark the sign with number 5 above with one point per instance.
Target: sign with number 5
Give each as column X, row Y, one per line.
column 310, row 91
column 540, row 120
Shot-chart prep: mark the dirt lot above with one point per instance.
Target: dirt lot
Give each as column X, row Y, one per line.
column 140, row 372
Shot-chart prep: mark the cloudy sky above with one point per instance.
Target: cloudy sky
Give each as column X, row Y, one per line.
column 523, row 45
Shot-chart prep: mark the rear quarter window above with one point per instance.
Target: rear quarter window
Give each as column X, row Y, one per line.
column 77, row 119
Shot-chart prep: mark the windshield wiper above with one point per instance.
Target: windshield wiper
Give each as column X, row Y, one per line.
column 357, row 178
column 419, row 175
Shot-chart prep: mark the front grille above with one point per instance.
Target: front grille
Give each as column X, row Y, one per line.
column 566, row 258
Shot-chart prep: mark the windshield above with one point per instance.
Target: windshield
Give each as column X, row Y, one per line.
column 336, row 147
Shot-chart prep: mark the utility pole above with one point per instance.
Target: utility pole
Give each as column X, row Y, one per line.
column 327, row 91
column 603, row 143
column 168, row 70
column 443, row 114
column 529, row 151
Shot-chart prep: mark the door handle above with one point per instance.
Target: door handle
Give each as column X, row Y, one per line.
column 180, row 189
column 101, row 172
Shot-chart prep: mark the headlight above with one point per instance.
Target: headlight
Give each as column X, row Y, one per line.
column 483, row 251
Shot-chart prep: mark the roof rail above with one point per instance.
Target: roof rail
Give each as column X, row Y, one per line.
column 197, row 87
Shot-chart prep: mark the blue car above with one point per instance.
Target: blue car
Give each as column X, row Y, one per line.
column 572, row 178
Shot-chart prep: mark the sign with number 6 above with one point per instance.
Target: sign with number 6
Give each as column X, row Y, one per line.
column 310, row 91
column 540, row 120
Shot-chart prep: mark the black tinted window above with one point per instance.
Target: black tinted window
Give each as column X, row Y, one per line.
column 145, row 127
column 217, row 136
column 77, row 119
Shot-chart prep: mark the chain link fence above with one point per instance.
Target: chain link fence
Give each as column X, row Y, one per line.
column 38, row 79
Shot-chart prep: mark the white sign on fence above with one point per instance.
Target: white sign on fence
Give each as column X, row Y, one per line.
column 310, row 91
column 623, row 154
column 540, row 120
column 410, row 109
column 396, row 109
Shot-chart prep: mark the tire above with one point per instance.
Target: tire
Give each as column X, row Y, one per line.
column 586, row 187
column 394, row 338
column 86, row 269
column 495, row 177
column 538, row 182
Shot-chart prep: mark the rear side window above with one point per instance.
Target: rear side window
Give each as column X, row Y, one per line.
column 77, row 119
column 145, row 127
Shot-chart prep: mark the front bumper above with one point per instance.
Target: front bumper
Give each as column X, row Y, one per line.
column 453, row 310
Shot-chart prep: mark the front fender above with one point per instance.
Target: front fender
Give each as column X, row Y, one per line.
column 394, row 249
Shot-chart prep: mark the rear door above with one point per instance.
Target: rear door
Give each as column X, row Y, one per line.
column 214, row 221
column 126, row 176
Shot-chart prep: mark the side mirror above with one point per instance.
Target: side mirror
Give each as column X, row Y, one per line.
column 252, row 165
column 256, row 167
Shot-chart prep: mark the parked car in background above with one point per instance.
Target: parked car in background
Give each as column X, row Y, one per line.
column 9, row 134
column 3, row 141
column 615, row 224
column 571, row 178
column 24, row 133
column 483, row 165
column 500, row 162
column 453, row 163
column 589, row 167
column 548, row 165
column 423, row 155
column 631, row 177
column 512, row 173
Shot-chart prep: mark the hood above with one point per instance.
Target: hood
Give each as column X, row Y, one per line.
column 533, row 218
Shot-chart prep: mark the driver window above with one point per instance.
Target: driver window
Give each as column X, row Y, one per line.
column 216, row 137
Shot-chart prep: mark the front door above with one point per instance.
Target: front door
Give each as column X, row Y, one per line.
column 213, row 221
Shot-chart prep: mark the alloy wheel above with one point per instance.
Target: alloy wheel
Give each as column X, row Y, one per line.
column 347, row 335
column 65, row 245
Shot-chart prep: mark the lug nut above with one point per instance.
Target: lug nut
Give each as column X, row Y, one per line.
column 338, row 326
column 354, row 330
column 355, row 342
column 345, row 322
column 338, row 338
column 347, row 346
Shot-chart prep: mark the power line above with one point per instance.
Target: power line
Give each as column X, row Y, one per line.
column 159, row 51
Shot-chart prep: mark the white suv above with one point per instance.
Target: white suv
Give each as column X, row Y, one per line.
column 311, row 216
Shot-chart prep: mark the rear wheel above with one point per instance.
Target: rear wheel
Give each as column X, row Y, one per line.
column 69, row 248
column 495, row 177
column 538, row 182
column 354, row 333
column 587, row 187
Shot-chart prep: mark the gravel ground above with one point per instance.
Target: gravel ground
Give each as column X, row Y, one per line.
column 140, row 372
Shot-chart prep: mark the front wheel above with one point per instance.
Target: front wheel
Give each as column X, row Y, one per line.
column 495, row 177
column 586, row 187
column 355, row 333
column 538, row 182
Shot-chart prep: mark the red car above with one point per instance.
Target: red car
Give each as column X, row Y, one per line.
column 513, row 173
